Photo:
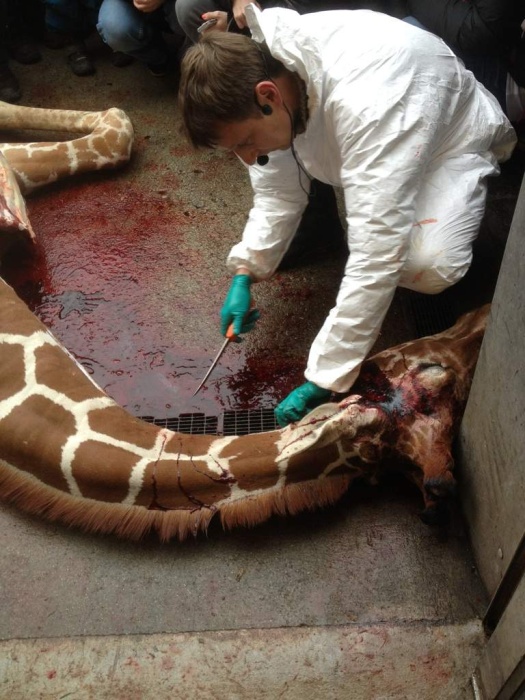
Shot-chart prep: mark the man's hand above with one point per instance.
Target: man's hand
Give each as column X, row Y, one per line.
column 238, row 8
column 237, row 306
column 147, row 5
column 300, row 402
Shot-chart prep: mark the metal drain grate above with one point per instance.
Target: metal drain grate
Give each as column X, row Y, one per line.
column 247, row 422
column 429, row 314
column 230, row 423
column 191, row 423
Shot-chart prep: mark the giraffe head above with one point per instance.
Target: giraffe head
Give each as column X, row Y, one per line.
column 403, row 413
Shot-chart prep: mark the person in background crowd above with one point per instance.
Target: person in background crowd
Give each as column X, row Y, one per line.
column 230, row 14
column 136, row 28
column 9, row 85
column 26, row 30
column 69, row 23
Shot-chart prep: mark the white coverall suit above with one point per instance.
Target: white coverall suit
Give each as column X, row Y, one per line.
column 408, row 133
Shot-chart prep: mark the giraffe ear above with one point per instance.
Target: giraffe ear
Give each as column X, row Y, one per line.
column 310, row 431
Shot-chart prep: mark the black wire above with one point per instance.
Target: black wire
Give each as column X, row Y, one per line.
column 300, row 167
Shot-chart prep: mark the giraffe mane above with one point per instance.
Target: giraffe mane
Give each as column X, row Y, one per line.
column 134, row 523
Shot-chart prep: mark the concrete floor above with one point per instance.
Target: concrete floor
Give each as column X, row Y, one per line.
column 359, row 601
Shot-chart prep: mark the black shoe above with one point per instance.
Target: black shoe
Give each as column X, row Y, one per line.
column 9, row 86
column 80, row 63
column 159, row 69
column 25, row 51
column 121, row 60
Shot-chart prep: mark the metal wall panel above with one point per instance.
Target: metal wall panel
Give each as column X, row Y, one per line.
column 492, row 440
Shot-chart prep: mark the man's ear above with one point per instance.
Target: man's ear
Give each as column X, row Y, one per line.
column 267, row 92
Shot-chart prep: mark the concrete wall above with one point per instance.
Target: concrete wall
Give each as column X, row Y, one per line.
column 492, row 443
column 493, row 432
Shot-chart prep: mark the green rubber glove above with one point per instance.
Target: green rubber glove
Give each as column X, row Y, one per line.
column 237, row 307
column 300, row 402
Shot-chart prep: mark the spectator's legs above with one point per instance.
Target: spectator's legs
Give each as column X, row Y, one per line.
column 26, row 24
column 9, row 87
column 69, row 24
column 132, row 32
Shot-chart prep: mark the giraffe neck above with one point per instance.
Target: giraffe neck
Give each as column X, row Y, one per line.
column 88, row 455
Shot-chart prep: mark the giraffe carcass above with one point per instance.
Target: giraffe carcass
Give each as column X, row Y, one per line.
column 71, row 454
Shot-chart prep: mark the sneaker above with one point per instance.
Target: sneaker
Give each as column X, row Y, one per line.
column 80, row 63
column 9, row 85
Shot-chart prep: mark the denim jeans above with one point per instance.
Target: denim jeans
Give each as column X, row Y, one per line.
column 136, row 33
column 189, row 11
column 75, row 18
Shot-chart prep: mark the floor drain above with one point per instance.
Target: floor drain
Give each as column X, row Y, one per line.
column 247, row 422
column 230, row 423
column 191, row 423
column 428, row 314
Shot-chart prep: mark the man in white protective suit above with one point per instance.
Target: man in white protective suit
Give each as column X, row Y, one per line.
column 362, row 101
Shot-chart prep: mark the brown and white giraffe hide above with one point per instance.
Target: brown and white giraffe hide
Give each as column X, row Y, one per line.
column 105, row 141
column 14, row 222
column 69, row 453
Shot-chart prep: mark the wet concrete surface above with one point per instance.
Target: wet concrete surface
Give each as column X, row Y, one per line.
column 129, row 274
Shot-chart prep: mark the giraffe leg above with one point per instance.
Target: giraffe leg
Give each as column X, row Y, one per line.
column 14, row 222
column 106, row 142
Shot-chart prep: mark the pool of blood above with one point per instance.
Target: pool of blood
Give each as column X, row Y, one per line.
column 95, row 278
